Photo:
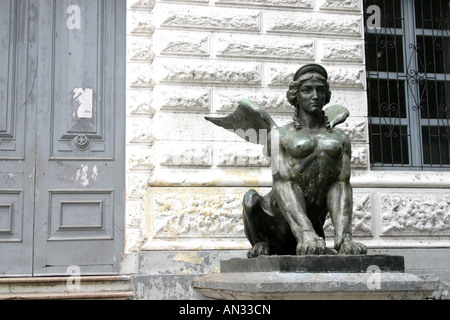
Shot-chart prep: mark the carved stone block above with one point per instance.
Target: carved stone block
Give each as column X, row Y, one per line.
column 404, row 214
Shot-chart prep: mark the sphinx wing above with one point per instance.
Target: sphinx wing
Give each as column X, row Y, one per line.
column 337, row 114
column 249, row 121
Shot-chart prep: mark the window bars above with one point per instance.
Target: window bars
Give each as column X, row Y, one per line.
column 408, row 84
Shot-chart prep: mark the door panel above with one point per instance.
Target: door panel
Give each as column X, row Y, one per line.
column 83, row 81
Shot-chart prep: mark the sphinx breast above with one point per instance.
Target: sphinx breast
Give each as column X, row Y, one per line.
column 301, row 148
column 331, row 147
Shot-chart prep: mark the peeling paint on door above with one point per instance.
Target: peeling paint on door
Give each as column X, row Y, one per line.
column 83, row 177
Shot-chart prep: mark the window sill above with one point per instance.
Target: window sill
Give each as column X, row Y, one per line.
column 400, row 179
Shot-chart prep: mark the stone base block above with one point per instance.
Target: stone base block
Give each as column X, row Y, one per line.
column 312, row 263
column 314, row 286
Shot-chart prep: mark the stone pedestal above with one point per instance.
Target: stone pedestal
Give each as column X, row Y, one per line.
column 314, row 277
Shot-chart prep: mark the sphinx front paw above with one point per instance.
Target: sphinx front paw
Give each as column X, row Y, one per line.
column 259, row 249
column 349, row 247
column 312, row 245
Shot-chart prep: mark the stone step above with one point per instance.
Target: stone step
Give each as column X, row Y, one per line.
column 112, row 295
column 84, row 287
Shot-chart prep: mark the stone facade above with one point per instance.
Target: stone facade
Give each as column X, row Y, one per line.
column 189, row 59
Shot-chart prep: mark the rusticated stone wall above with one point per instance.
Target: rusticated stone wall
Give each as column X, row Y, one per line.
column 188, row 59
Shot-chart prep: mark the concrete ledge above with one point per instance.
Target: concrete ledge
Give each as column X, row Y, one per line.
column 323, row 286
column 166, row 287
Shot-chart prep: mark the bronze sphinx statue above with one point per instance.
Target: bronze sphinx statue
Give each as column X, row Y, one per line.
column 311, row 172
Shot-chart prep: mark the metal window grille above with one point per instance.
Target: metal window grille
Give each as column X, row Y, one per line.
column 408, row 84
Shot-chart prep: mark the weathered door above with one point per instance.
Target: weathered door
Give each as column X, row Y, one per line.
column 74, row 198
